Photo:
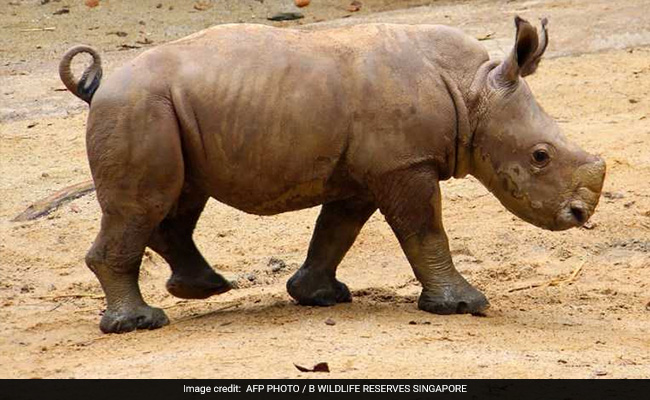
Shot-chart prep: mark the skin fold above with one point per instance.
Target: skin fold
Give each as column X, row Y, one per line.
column 356, row 119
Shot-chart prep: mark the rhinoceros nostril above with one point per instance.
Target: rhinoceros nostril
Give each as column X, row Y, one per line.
column 579, row 213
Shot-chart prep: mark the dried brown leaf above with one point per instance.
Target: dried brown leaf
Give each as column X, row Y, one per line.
column 320, row 367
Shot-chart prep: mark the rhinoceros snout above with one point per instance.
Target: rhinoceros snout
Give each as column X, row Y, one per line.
column 587, row 182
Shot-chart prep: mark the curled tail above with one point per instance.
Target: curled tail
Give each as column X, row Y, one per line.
column 86, row 86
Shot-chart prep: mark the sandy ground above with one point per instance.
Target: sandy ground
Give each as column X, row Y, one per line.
column 596, row 82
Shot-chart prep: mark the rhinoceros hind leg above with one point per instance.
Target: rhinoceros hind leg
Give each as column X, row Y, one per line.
column 192, row 277
column 115, row 259
column 336, row 229
column 135, row 156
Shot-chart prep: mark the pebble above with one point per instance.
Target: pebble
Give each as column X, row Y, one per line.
column 276, row 264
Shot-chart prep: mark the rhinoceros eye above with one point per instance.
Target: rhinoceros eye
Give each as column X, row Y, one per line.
column 541, row 158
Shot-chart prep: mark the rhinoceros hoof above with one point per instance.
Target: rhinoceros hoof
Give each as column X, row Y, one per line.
column 454, row 300
column 315, row 289
column 142, row 317
column 203, row 286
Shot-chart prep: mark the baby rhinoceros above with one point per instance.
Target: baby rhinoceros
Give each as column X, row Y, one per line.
column 357, row 119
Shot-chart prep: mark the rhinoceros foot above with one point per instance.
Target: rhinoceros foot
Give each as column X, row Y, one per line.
column 459, row 299
column 314, row 288
column 141, row 317
column 202, row 286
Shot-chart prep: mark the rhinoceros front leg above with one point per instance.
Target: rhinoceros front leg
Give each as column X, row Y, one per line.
column 411, row 203
column 336, row 229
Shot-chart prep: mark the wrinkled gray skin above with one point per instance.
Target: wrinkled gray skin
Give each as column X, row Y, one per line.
column 356, row 119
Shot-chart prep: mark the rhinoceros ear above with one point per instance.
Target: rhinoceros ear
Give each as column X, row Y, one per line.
column 526, row 54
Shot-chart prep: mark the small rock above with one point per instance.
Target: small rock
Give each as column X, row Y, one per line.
column 600, row 373
column 301, row 3
column 355, row 6
column 251, row 277
column 330, row 322
column 91, row 3
column 589, row 225
column 647, row 306
column 276, row 264
column 203, row 5
column 613, row 195
column 633, row 101
column 629, row 204
column 159, row 5
column 33, row 124
column 62, row 11
column 45, row 175
column 75, row 208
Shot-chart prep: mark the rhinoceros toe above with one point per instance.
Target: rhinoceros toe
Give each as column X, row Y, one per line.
column 200, row 286
column 453, row 300
column 143, row 317
column 312, row 288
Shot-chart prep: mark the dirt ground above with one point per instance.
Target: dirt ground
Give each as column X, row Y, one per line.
column 595, row 82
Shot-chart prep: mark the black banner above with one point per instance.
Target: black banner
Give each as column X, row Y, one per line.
column 99, row 389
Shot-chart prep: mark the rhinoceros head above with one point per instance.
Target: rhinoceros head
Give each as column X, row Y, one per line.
column 519, row 152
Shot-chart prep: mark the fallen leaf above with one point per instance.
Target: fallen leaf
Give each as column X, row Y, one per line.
column 320, row 367
column 91, row 3
column 286, row 16
column 127, row 47
column 117, row 33
column 487, row 36
column 144, row 41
